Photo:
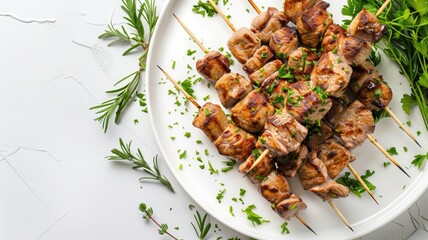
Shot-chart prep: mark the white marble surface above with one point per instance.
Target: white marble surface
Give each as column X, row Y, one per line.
column 55, row 182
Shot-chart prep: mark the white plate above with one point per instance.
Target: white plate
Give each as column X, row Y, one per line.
column 394, row 190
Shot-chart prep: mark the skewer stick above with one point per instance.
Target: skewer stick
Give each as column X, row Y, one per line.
column 195, row 39
column 358, row 177
column 222, row 15
column 340, row 214
column 255, row 6
column 301, row 220
column 386, row 153
column 259, row 159
column 389, row 111
column 180, row 88
column 384, row 5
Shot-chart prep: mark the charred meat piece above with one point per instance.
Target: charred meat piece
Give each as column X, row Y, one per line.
column 335, row 157
column 282, row 134
column 330, row 190
column 284, row 41
column 261, row 170
column 252, row 112
column 339, row 105
column 301, row 62
column 354, row 50
column 260, row 58
column 243, row 44
column 267, row 23
column 354, row 124
column 213, row 66
column 294, row 8
column 331, row 74
column 259, row 76
column 318, row 135
column 275, row 188
column 290, row 163
column 231, row 88
column 361, row 74
column 331, row 38
column 235, row 143
column 375, row 94
column 211, row 120
column 289, row 207
column 313, row 23
column 306, row 105
column 366, row 26
column 313, row 171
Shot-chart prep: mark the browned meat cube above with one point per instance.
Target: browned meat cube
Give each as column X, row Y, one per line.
column 231, row 88
column 306, row 105
column 330, row 190
column 375, row 94
column 331, row 74
column 313, row 23
column 294, row 8
column 290, row 207
column 335, row 157
column 252, row 112
column 243, row 44
column 261, row 170
column 275, row 188
column 354, row 124
column 235, row 143
column 260, row 58
column 313, row 172
column 301, row 62
column 277, row 89
column 339, row 105
column 211, row 120
column 282, row 134
column 366, row 26
column 267, row 23
column 259, row 76
column 361, row 74
column 354, row 50
column 284, row 41
column 331, row 38
column 318, row 135
column 290, row 163
column 213, row 66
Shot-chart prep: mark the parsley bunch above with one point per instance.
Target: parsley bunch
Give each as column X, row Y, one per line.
column 354, row 185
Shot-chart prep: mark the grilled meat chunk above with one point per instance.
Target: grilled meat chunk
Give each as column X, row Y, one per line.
column 366, row 26
column 290, row 163
column 243, row 44
column 294, row 8
column 331, row 74
column 252, row 112
column 331, row 38
column 313, row 23
column 375, row 94
column 361, row 74
column 211, row 120
column 289, row 207
column 277, row 89
column 235, row 143
column 354, row 124
column 260, row 58
column 284, row 41
column 275, row 188
column 261, row 170
column 330, row 190
column 318, row 135
column 213, row 66
column 231, row 88
column 305, row 105
column 313, row 172
column 301, row 62
column 339, row 105
column 267, row 23
column 282, row 134
column 335, row 157
column 354, row 50
column 259, row 76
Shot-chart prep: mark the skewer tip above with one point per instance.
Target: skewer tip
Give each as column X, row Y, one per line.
column 311, row 229
column 403, row 171
column 418, row 143
column 304, row 223
column 350, row 228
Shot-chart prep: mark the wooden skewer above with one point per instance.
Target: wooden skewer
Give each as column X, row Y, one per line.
column 222, row 15
column 301, row 220
column 340, row 214
column 195, row 39
column 384, row 5
column 255, row 6
column 389, row 111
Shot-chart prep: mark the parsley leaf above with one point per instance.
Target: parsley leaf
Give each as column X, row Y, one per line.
column 419, row 160
column 253, row 217
column 407, row 102
column 354, row 185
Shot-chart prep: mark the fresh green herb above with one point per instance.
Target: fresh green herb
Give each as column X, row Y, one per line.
column 220, row 195
column 173, row 64
column 419, row 160
column 230, row 164
column 229, row 56
column 406, row 102
column 187, row 86
column 231, row 211
column 183, row 154
column 321, row 93
column 190, row 52
column 405, row 149
column 142, row 99
column 386, row 164
column 148, row 215
column 187, row 134
column 354, row 186
column 264, row 55
column 211, row 168
column 242, row 192
column 204, row 8
column 285, row 73
column 375, row 57
column 203, row 224
column 284, row 228
column 392, row 151
column 253, row 217
column 409, row 123
column 124, row 153
column 418, row 133
column 378, row 115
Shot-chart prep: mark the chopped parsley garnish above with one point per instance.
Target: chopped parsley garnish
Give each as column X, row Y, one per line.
column 204, row 8
column 377, row 93
column 183, row 154
column 187, row 134
column 392, row 151
column 242, row 192
column 187, row 86
column 284, row 228
column 386, row 164
column 220, row 195
column 263, row 55
column 190, row 52
column 231, row 211
column 253, row 217
column 405, row 148
column 207, row 112
column 419, row 160
column 418, row 133
column 211, row 168
column 354, row 186
column 230, row 164
column 173, row 64
column 321, row 93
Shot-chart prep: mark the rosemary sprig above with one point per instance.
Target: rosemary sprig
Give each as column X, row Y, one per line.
column 148, row 215
column 124, row 153
column 204, row 226
column 137, row 16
